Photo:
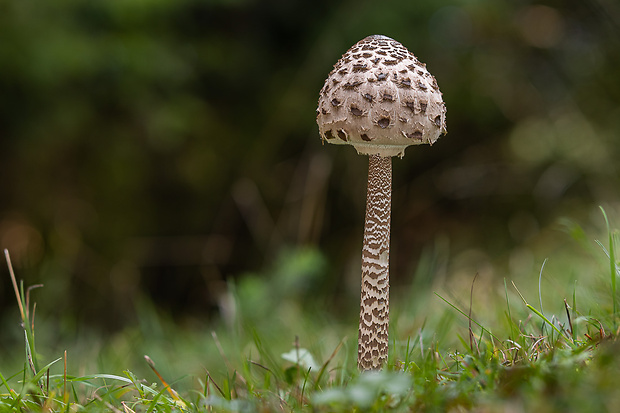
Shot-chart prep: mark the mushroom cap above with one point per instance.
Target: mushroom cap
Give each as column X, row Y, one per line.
column 380, row 98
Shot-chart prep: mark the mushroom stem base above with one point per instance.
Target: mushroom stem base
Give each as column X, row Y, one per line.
column 374, row 308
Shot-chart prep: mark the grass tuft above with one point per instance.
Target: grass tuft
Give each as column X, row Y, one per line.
column 511, row 357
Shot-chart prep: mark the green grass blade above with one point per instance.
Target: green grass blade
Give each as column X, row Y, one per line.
column 612, row 265
column 540, row 285
column 545, row 319
column 41, row 372
column 466, row 315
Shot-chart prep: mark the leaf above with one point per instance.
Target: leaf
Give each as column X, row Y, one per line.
column 301, row 357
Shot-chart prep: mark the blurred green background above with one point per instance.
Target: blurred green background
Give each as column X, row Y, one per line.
column 151, row 151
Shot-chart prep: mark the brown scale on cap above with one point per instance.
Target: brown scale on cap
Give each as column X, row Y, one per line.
column 382, row 97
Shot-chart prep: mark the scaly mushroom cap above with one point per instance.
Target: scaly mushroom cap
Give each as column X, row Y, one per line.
column 380, row 98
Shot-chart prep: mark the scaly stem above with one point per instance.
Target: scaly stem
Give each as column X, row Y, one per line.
column 374, row 310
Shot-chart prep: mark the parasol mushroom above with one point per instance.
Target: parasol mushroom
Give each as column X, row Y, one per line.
column 379, row 98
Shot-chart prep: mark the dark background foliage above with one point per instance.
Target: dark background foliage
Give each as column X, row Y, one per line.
column 158, row 149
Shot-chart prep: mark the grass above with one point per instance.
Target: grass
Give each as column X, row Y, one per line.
column 483, row 348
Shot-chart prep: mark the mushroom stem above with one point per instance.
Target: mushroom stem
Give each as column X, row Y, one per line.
column 374, row 310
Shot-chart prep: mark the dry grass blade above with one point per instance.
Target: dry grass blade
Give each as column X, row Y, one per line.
column 126, row 408
column 324, row 366
column 472, row 338
column 170, row 390
column 65, row 395
column 219, row 389
column 256, row 363
column 15, row 287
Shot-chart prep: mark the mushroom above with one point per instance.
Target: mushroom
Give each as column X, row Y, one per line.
column 379, row 98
